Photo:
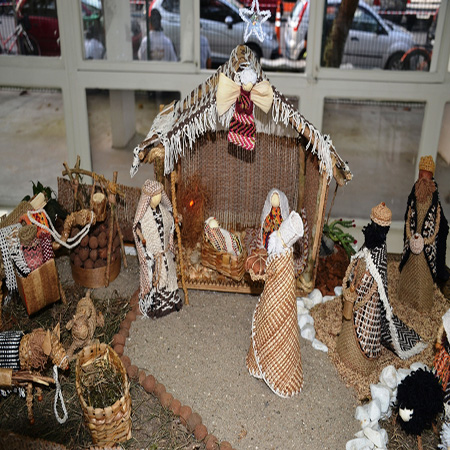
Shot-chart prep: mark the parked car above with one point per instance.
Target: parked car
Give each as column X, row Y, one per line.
column 371, row 42
column 221, row 24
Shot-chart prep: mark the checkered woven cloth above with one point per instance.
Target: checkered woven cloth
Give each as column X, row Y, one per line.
column 274, row 353
column 9, row 349
column 33, row 254
column 47, row 248
column 242, row 131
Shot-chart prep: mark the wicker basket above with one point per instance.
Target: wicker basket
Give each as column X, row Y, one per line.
column 40, row 288
column 226, row 264
column 95, row 278
column 112, row 424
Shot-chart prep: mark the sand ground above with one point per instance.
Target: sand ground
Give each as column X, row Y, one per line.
column 199, row 355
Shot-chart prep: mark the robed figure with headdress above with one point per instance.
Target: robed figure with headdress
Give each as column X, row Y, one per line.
column 369, row 322
column 153, row 230
column 425, row 241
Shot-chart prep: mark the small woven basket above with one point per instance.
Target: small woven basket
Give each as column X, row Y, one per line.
column 40, row 288
column 226, row 264
column 111, row 424
column 96, row 278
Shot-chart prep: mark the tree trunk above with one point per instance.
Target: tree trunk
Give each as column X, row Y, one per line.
column 335, row 43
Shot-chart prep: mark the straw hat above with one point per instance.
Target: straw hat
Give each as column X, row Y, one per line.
column 427, row 163
column 381, row 215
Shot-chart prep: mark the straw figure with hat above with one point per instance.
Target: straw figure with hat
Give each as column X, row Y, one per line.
column 368, row 319
column 274, row 353
column 425, row 237
column 153, row 230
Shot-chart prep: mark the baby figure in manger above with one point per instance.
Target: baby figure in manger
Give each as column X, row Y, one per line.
column 153, row 230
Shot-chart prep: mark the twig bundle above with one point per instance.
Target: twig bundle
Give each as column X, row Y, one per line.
column 101, row 383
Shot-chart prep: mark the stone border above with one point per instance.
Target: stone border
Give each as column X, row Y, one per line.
column 191, row 420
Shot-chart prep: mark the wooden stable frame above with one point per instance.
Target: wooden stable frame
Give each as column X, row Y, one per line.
column 312, row 154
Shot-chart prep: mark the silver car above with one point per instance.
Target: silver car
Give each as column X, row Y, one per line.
column 221, row 24
column 371, row 42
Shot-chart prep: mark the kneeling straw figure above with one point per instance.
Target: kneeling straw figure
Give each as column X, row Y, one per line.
column 274, row 353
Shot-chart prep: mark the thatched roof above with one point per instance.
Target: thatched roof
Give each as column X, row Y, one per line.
column 178, row 126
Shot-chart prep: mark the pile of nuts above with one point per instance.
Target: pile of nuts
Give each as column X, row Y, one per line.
column 93, row 249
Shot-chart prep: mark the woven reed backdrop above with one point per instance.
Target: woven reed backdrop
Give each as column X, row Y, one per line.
column 238, row 180
column 126, row 206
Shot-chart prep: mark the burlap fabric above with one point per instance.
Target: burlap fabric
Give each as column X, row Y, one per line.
column 358, row 344
column 350, row 352
column 274, row 353
column 416, row 285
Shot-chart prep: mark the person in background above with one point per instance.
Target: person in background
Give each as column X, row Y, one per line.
column 93, row 48
column 161, row 47
column 205, row 53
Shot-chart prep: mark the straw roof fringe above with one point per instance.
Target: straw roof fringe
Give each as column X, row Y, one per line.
column 180, row 124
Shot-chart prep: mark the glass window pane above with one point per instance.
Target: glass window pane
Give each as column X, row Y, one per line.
column 380, row 141
column 93, row 29
column 30, row 28
column 156, row 22
column 442, row 174
column 382, row 34
column 33, row 144
column 107, row 153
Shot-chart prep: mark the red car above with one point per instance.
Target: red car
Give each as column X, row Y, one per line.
column 40, row 19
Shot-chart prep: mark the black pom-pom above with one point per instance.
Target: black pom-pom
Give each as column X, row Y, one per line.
column 420, row 392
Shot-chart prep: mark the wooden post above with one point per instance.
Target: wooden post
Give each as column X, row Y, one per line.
column 112, row 200
column 177, row 228
column 307, row 278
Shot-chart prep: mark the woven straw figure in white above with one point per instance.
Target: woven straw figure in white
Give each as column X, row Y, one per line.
column 153, row 230
column 275, row 210
column 274, row 353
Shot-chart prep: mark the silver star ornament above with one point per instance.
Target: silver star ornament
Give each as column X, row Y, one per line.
column 254, row 19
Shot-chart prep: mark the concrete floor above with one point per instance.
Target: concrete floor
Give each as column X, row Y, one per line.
column 379, row 141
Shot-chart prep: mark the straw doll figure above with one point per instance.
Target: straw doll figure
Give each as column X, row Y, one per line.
column 153, row 230
column 274, row 353
column 222, row 240
column 425, row 236
column 368, row 319
column 275, row 210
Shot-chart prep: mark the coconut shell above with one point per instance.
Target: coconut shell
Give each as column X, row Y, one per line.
column 103, row 253
column 102, row 240
column 93, row 242
column 93, row 254
column 72, row 256
column 96, row 231
column 116, row 242
column 89, row 264
column 77, row 261
column 85, row 241
column 99, row 263
column 84, row 253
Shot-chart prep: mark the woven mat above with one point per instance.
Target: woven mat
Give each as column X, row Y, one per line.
column 328, row 320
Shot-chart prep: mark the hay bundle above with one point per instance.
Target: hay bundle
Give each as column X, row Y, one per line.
column 192, row 202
